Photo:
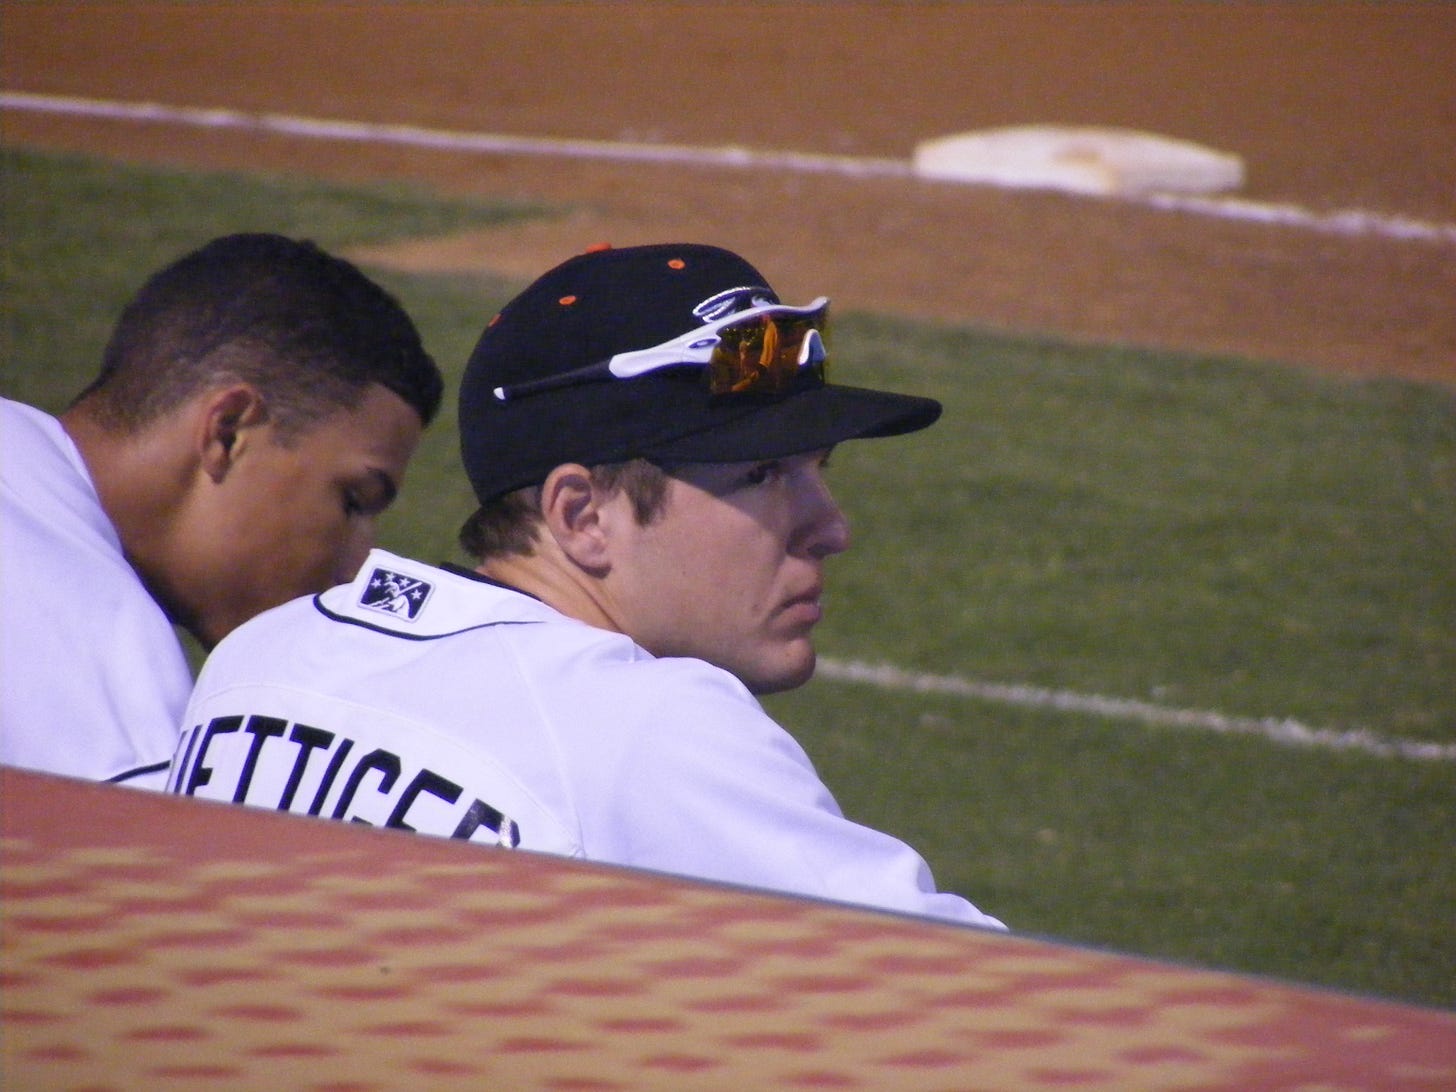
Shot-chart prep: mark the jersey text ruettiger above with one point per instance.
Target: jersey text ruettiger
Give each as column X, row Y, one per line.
column 271, row 762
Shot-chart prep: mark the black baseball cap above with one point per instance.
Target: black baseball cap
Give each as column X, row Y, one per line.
column 545, row 386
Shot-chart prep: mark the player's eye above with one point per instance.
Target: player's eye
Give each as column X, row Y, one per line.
column 763, row 473
column 366, row 495
column 363, row 502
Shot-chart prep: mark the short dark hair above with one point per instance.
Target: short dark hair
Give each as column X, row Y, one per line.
column 308, row 329
column 507, row 524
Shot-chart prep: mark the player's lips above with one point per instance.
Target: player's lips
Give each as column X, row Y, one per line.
column 805, row 609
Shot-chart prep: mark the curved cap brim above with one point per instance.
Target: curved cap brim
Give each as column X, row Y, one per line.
column 810, row 420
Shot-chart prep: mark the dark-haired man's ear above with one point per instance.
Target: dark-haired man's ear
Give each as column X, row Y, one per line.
column 226, row 415
column 571, row 509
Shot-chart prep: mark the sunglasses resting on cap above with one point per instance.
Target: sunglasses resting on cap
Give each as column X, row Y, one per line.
column 768, row 349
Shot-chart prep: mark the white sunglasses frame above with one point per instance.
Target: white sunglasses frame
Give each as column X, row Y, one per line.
column 692, row 348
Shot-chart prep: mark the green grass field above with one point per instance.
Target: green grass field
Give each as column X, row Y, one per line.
column 1204, row 534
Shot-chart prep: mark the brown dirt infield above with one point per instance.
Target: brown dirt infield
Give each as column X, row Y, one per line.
column 1332, row 105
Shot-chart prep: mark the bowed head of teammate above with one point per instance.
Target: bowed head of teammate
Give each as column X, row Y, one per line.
column 256, row 405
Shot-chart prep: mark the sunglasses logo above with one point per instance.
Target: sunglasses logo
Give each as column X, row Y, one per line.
column 732, row 300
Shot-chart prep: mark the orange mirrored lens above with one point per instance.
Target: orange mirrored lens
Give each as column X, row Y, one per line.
column 764, row 356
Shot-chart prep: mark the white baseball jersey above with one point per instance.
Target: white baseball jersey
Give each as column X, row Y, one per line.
column 93, row 679
column 434, row 700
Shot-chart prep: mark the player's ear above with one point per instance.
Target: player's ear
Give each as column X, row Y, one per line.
column 571, row 507
column 224, row 419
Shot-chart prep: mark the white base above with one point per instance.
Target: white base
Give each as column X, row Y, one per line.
column 1110, row 162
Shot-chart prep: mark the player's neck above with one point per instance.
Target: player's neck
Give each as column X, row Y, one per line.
column 559, row 586
column 140, row 480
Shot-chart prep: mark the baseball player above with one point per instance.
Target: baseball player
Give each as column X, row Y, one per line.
column 646, row 430
column 256, row 407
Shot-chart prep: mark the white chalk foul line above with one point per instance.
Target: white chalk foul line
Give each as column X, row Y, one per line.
column 1353, row 222
column 450, row 140
column 1281, row 730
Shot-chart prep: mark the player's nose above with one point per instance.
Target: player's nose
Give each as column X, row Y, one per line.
column 825, row 526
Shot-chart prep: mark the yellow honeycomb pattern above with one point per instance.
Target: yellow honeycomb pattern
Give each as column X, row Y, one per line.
column 150, row 942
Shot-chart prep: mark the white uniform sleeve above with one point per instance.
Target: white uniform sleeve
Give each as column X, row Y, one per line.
column 92, row 676
column 714, row 788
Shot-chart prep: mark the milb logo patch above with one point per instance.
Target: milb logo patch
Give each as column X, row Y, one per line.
column 394, row 593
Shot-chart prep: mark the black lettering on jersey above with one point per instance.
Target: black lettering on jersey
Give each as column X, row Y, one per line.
column 178, row 774
column 262, row 729
column 335, row 765
column 202, row 775
column 308, row 740
column 377, row 774
column 425, row 781
column 388, row 766
column 480, row 814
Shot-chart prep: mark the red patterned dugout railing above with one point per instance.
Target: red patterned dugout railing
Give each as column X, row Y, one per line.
column 153, row 942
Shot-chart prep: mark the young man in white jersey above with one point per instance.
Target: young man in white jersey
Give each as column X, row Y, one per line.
column 256, row 406
column 646, row 430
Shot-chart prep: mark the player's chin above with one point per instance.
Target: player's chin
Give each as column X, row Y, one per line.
column 791, row 666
